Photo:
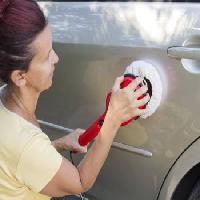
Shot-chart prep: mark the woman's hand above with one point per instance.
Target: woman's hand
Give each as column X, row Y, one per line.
column 70, row 142
column 124, row 102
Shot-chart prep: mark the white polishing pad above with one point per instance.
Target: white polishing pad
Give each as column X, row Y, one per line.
column 146, row 69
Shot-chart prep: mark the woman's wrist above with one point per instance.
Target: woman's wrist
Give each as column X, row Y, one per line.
column 61, row 145
column 110, row 126
column 113, row 119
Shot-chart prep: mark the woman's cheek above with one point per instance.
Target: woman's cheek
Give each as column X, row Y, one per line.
column 49, row 69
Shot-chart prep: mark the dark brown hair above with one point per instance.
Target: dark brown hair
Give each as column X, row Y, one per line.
column 20, row 22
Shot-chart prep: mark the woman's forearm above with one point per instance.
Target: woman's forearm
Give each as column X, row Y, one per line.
column 93, row 161
column 57, row 144
column 60, row 145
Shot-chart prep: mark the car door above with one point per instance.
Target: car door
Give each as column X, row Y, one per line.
column 95, row 42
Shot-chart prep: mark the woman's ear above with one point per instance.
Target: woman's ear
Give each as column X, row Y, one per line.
column 18, row 77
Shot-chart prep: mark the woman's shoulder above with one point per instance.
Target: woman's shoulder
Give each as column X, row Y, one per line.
column 15, row 135
column 12, row 124
column 15, row 126
column 16, row 132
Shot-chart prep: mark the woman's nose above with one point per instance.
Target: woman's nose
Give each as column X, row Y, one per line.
column 55, row 58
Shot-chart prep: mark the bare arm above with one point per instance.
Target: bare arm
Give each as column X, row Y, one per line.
column 59, row 145
column 95, row 158
column 72, row 180
column 70, row 142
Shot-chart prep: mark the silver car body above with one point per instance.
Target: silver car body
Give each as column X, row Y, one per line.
column 95, row 42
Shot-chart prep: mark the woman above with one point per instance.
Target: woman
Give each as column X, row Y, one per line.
column 31, row 166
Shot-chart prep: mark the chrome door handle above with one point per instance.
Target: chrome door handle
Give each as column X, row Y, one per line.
column 179, row 52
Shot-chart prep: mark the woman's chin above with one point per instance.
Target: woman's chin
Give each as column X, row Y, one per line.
column 47, row 86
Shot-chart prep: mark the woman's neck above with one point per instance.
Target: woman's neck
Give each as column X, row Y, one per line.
column 22, row 101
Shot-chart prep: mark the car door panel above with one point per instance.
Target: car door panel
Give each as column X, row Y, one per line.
column 95, row 42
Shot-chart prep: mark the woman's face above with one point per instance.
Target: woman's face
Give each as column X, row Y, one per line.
column 40, row 73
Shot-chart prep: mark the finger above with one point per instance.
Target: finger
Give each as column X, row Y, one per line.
column 134, row 84
column 139, row 112
column 83, row 149
column 141, row 91
column 117, row 83
column 80, row 131
column 142, row 101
